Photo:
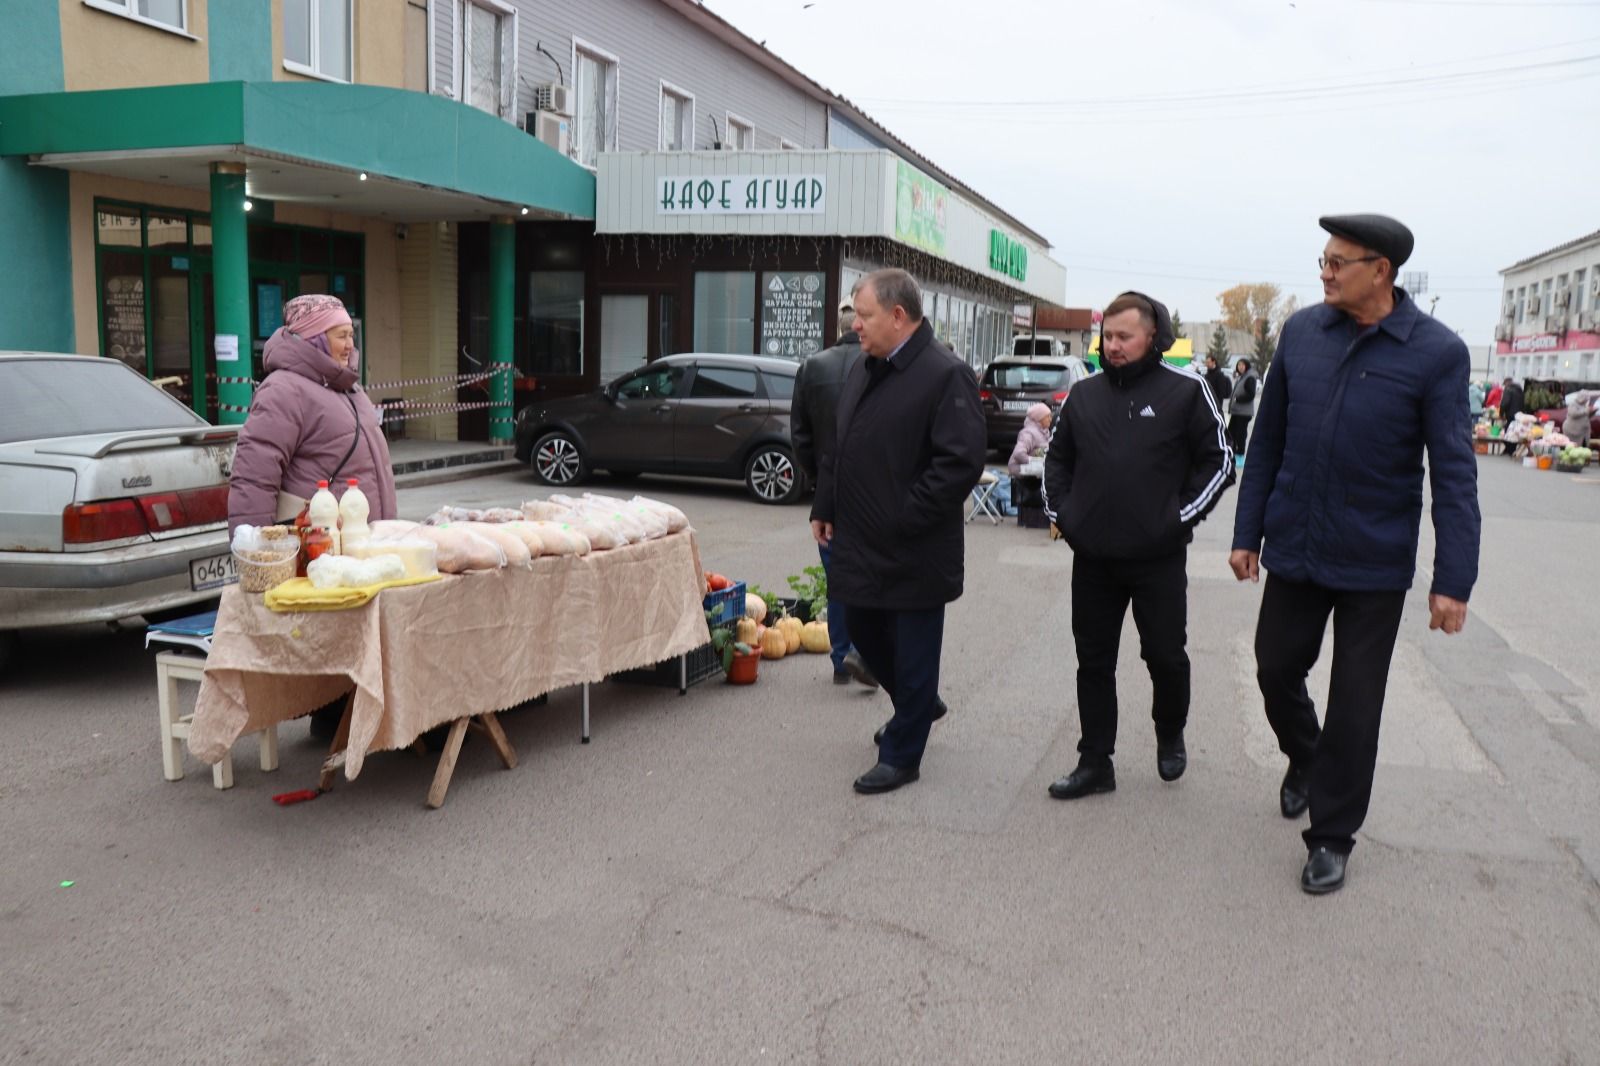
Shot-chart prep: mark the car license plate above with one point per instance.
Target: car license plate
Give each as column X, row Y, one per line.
column 1016, row 405
column 212, row 572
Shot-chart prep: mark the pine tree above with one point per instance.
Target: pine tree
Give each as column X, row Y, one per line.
column 1177, row 324
column 1265, row 345
column 1219, row 345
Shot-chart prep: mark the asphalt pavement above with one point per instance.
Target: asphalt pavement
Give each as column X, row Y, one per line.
column 701, row 885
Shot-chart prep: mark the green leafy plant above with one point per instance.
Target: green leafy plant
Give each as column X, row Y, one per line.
column 774, row 609
column 724, row 643
column 811, row 589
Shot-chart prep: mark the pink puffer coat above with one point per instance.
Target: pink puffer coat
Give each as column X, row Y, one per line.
column 304, row 418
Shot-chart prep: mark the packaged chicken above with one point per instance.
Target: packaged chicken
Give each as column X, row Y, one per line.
column 461, row 550
column 676, row 519
column 525, row 532
column 545, row 511
column 516, row 551
column 498, row 515
column 445, row 515
column 602, row 536
column 561, row 539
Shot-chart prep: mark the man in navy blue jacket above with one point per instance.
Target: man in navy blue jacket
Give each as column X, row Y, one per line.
column 1360, row 386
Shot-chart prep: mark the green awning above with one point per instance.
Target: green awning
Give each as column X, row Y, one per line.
column 432, row 157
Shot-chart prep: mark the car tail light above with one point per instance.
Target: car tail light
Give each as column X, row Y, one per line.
column 985, row 395
column 165, row 511
column 91, row 523
column 1059, row 397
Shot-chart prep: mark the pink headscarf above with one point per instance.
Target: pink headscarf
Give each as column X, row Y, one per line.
column 312, row 316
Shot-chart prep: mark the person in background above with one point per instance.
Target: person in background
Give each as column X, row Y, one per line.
column 1032, row 439
column 1510, row 408
column 910, row 446
column 1475, row 399
column 1242, row 406
column 1340, row 523
column 1580, row 409
column 1493, row 398
column 817, row 385
column 1218, row 381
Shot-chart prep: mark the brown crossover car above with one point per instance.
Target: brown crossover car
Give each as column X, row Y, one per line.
column 702, row 415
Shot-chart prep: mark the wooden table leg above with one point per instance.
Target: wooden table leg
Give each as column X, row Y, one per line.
column 447, row 763
column 497, row 737
column 341, row 740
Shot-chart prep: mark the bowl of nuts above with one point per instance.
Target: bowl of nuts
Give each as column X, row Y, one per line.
column 266, row 557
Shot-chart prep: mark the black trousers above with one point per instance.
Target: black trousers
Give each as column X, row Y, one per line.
column 1343, row 752
column 1101, row 592
column 902, row 650
column 1239, row 432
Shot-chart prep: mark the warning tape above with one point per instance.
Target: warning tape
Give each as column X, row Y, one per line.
column 372, row 386
column 400, row 414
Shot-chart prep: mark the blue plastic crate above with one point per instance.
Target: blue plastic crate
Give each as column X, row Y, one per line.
column 726, row 606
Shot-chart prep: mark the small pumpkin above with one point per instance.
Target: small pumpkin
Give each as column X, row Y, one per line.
column 774, row 645
column 746, row 631
column 814, row 638
column 790, row 627
column 755, row 607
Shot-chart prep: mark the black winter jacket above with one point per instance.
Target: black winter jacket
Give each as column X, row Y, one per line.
column 817, row 385
column 1138, row 457
column 911, row 445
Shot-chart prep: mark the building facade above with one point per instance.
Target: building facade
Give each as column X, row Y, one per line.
column 481, row 181
column 1549, row 325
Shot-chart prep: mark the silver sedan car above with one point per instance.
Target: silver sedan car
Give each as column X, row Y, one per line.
column 113, row 496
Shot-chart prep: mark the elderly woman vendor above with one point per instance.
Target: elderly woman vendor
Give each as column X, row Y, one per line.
column 309, row 421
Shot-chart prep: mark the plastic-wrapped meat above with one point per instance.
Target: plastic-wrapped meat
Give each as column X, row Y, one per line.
column 676, row 519
column 525, row 532
column 447, row 514
column 515, row 549
column 561, row 539
column 497, row 515
column 461, row 550
column 545, row 511
column 603, row 536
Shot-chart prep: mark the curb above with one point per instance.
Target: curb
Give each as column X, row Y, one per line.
column 460, row 472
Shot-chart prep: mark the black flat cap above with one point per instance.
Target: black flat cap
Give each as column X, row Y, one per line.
column 1384, row 235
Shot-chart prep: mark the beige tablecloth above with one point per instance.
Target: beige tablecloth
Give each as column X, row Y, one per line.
column 425, row 655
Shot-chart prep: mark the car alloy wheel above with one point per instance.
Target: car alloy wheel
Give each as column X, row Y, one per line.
column 556, row 460
column 772, row 476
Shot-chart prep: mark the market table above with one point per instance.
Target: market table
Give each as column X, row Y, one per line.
column 453, row 650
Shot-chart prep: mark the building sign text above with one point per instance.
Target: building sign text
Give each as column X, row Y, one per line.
column 741, row 194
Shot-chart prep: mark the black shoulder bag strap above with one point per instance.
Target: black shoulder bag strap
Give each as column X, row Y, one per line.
column 353, row 441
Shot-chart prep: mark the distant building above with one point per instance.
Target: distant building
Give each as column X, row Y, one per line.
column 1550, row 314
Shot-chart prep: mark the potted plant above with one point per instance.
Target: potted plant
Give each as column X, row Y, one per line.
column 810, row 587
column 739, row 660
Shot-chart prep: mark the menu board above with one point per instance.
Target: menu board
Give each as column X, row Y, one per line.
column 124, row 317
column 792, row 317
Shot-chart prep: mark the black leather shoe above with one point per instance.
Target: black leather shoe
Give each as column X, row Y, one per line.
column 884, row 778
column 1324, row 872
column 858, row 669
column 940, row 709
column 1295, row 795
column 1086, row 780
column 1172, row 758
column 841, row 677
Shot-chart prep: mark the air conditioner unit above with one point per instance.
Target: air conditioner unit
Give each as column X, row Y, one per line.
column 1502, row 332
column 552, row 97
column 1533, row 305
column 1563, row 298
column 1555, row 323
column 554, row 130
column 1585, row 320
column 1594, row 286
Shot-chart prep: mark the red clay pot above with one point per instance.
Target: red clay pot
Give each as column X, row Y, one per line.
column 743, row 670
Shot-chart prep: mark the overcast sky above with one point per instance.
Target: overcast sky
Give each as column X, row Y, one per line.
column 1475, row 122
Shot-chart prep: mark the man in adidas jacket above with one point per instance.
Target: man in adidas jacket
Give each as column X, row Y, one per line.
column 1139, row 456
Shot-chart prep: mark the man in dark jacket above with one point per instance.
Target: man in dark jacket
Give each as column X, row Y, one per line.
column 1138, row 458
column 1510, row 407
column 911, row 441
column 817, row 385
column 1360, row 386
column 1217, row 381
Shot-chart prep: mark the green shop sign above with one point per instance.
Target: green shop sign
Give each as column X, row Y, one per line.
column 1007, row 256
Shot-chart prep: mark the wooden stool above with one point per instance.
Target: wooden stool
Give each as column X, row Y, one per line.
column 175, row 666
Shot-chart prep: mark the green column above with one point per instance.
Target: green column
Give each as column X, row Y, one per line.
column 502, row 294
column 230, row 255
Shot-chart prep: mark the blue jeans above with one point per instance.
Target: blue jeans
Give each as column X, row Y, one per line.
column 838, row 631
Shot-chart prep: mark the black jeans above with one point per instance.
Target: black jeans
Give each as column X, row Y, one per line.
column 1101, row 592
column 1239, row 432
column 1342, row 753
column 902, row 650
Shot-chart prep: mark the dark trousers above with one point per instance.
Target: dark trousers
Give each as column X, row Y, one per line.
column 902, row 648
column 1101, row 592
column 1239, row 432
column 838, row 628
column 1343, row 752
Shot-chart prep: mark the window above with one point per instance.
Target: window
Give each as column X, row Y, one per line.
column 555, row 323
column 1578, row 277
column 595, row 124
column 779, row 386
column 677, row 119
column 486, row 42
column 725, row 312
column 655, row 383
column 723, row 383
column 741, row 133
column 166, row 14
column 316, row 38
column 1521, row 303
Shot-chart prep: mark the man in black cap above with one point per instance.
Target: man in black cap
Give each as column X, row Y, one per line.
column 1361, row 385
column 1138, row 458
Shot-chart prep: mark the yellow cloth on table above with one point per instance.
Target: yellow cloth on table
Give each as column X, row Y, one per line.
column 299, row 594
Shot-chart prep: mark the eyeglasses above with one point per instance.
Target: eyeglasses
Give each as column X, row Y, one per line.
column 1336, row 264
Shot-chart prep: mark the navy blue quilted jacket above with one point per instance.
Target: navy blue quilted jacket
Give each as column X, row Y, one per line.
column 1333, row 476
